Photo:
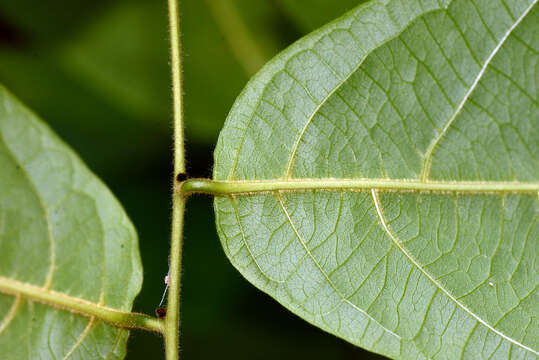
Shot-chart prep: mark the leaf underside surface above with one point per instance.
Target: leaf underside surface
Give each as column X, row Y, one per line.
column 62, row 231
column 441, row 91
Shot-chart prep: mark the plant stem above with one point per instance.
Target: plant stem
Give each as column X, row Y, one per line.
column 172, row 320
column 176, row 67
column 259, row 186
column 87, row 308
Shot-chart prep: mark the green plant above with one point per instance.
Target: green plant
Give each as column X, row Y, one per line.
column 379, row 178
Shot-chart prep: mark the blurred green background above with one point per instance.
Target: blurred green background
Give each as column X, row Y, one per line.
column 97, row 71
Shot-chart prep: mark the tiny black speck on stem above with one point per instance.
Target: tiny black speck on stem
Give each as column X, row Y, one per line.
column 181, row 177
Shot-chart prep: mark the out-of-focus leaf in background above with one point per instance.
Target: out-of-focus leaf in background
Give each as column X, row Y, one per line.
column 123, row 57
column 311, row 14
column 84, row 67
column 45, row 23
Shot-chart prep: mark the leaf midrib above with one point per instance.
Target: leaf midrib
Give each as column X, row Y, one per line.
column 239, row 187
column 115, row 317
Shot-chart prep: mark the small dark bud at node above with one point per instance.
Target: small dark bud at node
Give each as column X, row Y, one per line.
column 161, row 312
column 181, row 177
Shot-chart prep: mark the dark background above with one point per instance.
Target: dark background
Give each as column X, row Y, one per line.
column 97, row 71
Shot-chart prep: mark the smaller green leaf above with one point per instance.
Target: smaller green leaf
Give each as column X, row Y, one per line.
column 62, row 234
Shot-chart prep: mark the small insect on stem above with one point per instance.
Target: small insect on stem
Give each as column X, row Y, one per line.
column 160, row 311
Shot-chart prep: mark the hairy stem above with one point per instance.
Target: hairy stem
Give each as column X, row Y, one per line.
column 172, row 320
column 59, row 300
column 176, row 68
column 259, row 186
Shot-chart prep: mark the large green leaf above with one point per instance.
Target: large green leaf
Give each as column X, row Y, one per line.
column 382, row 179
column 62, row 233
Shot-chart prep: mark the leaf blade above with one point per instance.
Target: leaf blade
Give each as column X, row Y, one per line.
column 382, row 110
column 61, row 230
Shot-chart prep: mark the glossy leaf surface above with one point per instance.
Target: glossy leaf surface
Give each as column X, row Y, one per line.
column 421, row 92
column 64, row 233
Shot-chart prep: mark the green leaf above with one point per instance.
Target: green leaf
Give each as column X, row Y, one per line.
column 380, row 177
column 63, row 237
